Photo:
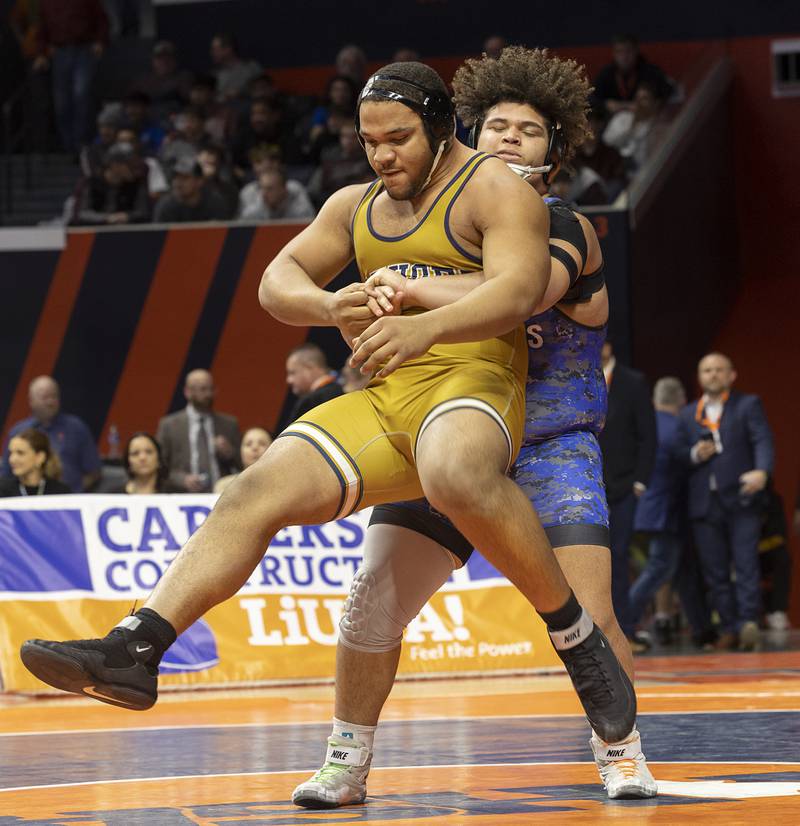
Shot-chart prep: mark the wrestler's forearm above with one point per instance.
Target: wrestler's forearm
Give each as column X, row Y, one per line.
column 491, row 309
column 432, row 293
column 439, row 291
column 288, row 294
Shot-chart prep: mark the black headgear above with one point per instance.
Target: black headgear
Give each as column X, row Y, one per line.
column 435, row 108
column 555, row 148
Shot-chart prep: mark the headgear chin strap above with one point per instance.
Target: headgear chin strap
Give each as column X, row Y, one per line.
column 436, row 158
column 526, row 172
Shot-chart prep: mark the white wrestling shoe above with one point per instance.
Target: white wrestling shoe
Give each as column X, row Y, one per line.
column 342, row 781
column 623, row 768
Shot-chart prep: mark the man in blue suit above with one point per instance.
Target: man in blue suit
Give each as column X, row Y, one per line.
column 725, row 439
column 661, row 514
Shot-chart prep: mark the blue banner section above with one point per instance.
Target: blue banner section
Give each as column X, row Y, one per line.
column 480, row 568
column 43, row 551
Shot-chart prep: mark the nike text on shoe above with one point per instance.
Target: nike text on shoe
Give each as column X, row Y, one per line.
column 602, row 686
column 623, row 768
column 341, row 781
column 79, row 667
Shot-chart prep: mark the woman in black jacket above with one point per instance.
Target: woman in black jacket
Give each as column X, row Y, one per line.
column 35, row 466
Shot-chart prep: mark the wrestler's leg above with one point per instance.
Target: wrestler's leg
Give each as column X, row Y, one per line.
column 400, row 571
column 588, row 571
column 291, row 484
column 461, row 459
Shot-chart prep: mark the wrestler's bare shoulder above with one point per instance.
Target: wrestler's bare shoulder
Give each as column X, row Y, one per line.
column 495, row 185
column 342, row 204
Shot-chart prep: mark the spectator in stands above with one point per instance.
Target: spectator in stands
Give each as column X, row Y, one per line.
column 233, row 73
column 186, row 140
column 145, row 466
column 264, row 127
column 167, row 85
column 725, row 440
column 254, row 445
column 262, row 159
column 352, row 62
column 616, row 84
column 601, row 158
column 628, row 442
column 340, row 96
column 203, row 101
column 494, row 45
column 775, row 562
column 157, row 184
column 310, row 379
column 136, row 115
column 280, row 199
column 35, row 467
column 405, row 54
column 326, row 137
column 198, row 444
column 658, row 510
column 581, row 186
column 262, row 87
column 129, row 18
column 25, row 20
column 633, row 132
column 93, row 156
column 189, row 200
column 69, row 436
column 71, row 38
column 218, row 179
column 340, row 166
column 327, row 119
column 118, row 195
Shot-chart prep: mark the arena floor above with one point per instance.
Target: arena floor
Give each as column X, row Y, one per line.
column 722, row 734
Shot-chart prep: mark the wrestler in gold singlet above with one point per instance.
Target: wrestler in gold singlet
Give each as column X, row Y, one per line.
column 376, row 429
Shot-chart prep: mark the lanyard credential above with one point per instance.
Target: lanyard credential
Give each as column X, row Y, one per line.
column 711, row 424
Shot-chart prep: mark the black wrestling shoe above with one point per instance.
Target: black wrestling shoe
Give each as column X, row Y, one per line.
column 80, row 666
column 602, row 686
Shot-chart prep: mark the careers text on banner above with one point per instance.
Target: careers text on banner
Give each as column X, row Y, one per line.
column 72, row 566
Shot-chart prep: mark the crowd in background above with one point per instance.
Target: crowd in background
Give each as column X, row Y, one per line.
column 228, row 144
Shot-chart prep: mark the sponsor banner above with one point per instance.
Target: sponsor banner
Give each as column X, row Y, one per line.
column 72, row 566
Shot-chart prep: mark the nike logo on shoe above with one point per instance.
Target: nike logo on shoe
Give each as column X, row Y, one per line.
column 142, row 648
column 93, row 692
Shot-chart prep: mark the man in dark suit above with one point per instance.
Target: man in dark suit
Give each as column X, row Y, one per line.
column 725, row 439
column 628, row 442
column 661, row 514
column 310, row 379
column 199, row 445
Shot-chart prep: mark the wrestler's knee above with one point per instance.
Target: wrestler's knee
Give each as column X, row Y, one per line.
column 369, row 622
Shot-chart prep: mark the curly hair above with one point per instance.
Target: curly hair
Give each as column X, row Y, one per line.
column 557, row 88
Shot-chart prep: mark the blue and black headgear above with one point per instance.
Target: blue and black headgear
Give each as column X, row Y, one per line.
column 434, row 107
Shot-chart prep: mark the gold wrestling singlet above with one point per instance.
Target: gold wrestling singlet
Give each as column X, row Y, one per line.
column 369, row 437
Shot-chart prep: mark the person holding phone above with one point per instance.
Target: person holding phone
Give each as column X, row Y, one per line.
column 725, row 439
